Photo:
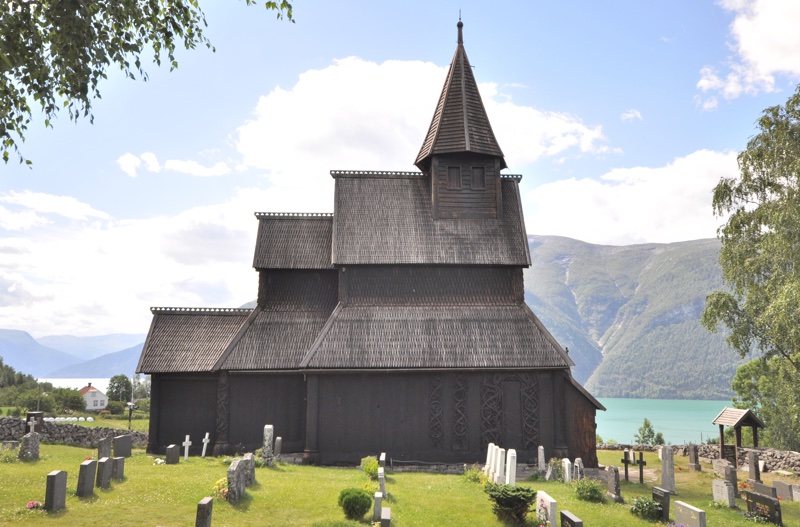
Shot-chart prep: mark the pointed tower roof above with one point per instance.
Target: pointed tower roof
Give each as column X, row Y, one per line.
column 460, row 123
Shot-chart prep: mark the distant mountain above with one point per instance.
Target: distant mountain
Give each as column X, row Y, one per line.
column 107, row 365
column 86, row 348
column 630, row 315
column 23, row 353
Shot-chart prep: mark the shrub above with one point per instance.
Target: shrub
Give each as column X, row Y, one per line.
column 16, row 412
column 598, row 439
column 370, row 466
column 355, row 503
column 589, row 490
column 116, row 407
column 221, row 488
column 646, row 508
column 556, row 469
column 474, row 474
column 7, row 455
column 511, row 503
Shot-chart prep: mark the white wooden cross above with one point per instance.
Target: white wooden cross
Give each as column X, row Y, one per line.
column 32, row 424
column 206, row 441
column 186, row 444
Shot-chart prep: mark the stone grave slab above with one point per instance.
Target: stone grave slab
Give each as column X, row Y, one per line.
column 689, row 516
column 250, row 469
column 795, row 492
column 511, row 467
column 694, row 458
column 204, row 509
column 487, row 468
column 731, row 476
column 376, row 511
column 118, row 468
column 382, row 480
column 122, row 446
column 104, row 448
column 500, row 466
column 542, row 461
column 546, row 506
column 570, row 520
column 86, row 476
column 723, row 492
column 719, row 466
column 578, row 471
column 104, row 473
column 766, row 490
column 783, row 489
column 386, row 517
column 267, row 452
column 566, row 468
column 29, row 447
column 278, row 448
column 173, row 455
column 668, row 469
column 186, row 444
column 662, row 497
column 56, row 493
column 612, row 478
column 765, row 505
column 752, row 464
column 382, row 460
column 236, row 482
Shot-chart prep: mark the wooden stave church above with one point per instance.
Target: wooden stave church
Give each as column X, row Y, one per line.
column 397, row 323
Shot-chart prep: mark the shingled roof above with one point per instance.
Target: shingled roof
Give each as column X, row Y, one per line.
column 460, row 123
column 385, row 218
column 293, row 241
column 433, row 337
column 188, row 339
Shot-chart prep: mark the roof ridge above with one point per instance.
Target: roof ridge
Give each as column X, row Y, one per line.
column 383, row 174
column 305, row 215
column 198, row 310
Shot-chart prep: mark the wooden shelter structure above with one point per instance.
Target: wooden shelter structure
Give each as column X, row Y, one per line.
column 737, row 418
column 398, row 323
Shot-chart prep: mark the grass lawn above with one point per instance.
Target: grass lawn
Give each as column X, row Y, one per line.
column 307, row 496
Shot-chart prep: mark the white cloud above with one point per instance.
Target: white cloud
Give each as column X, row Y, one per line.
column 766, row 43
column 128, row 163
column 630, row 115
column 150, row 162
column 65, row 206
column 634, row 205
column 193, row 168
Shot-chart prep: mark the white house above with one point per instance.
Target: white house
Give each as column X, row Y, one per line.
column 95, row 399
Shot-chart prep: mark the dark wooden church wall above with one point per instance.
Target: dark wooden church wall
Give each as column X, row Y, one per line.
column 186, row 404
column 465, row 200
column 580, row 419
column 260, row 399
column 287, row 289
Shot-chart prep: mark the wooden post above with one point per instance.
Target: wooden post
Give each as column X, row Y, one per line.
column 755, row 436
column 311, row 452
column 721, row 442
column 155, row 410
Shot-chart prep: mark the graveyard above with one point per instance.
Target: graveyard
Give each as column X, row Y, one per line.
column 153, row 491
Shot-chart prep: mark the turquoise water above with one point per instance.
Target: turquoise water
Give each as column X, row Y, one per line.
column 681, row 421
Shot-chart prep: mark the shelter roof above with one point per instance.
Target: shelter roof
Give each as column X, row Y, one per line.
column 293, row 241
column 483, row 337
column 460, row 123
column 188, row 339
column 737, row 417
column 385, row 218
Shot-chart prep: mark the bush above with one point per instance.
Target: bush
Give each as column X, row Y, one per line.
column 646, row 508
column 220, row 489
column 589, row 490
column 556, row 469
column 511, row 503
column 355, row 502
column 370, row 466
column 598, row 439
column 116, row 407
column 475, row 474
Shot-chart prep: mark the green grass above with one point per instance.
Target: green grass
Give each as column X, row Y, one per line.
column 307, row 496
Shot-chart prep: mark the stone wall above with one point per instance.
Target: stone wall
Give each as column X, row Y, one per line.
column 13, row 428
column 775, row 459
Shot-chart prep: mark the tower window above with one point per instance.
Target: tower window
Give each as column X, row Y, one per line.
column 478, row 178
column 454, row 178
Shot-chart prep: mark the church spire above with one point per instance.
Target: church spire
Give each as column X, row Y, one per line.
column 460, row 123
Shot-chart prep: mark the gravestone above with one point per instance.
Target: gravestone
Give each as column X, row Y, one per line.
column 542, row 461
column 11, row 445
column 386, row 517
column 250, row 469
column 34, row 422
column 689, row 516
column 752, row 462
column 641, row 463
column 766, row 490
column 122, row 446
column 546, row 506
column 493, row 465
column 732, row 477
column 668, row 469
column 86, row 475
column 382, row 480
column 29, row 448
column 236, row 482
column 278, row 448
column 487, row 468
column 766, row 505
column 104, row 473
column 612, row 477
column 570, row 520
column 500, row 472
column 173, row 455
column 267, row 453
column 784, row 490
column 206, row 441
column 104, row 448
column 626, row 460
column 186, row 444
column 578, row 469
column 719, row 466
column 382, row 460
column 694, row 459
column 723, row 492
column 204, row 509
column 549, row 474
column 376, row 511
column 795, row 492
column 662, row 497
column 56, row 495
column 566, row 468
column 511, row 467
column 117, row 468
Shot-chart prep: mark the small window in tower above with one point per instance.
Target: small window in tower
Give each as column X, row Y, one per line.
column 454, row 178
column 478, row 178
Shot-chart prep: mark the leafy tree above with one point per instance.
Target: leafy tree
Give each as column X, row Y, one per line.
column 56, row 53
column 141, row 387
column 68, row 399
column 646, row 434
column 119, row 388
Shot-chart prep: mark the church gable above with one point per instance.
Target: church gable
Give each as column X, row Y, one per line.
column 293, row 241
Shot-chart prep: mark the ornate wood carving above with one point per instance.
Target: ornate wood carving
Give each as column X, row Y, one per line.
column 223, row 404
column 436, row 425
column 491, row 409
column 460, row 413
column 530, row 412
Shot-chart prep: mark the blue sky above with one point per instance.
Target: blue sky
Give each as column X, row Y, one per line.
column 621, row 116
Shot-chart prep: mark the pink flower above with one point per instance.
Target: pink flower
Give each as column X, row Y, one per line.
column 34, row 505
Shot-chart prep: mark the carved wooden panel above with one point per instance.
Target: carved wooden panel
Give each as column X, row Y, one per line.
column 492, row 408
column 436, row 425
column 223, row 404
column 460, row 392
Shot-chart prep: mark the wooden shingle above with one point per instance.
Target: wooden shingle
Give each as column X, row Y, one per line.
column 293, row 241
